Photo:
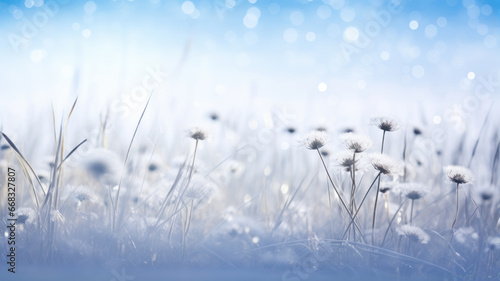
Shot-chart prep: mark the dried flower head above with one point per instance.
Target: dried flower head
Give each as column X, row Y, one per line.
column 355, row 142
column 315, row 140
column 458, row 174
column 385, row 123
column 197, row 133
column 103, row 165
column 84, row 193
column 486, row 193
column 414, row 233
column 325, row 152
column 290, row 130
column 25, row 215
column 346, row 158
column 413, row 191
column 494, row 243
column 386, row 164
column 417, row 131
column 386, row 186
column 214, row 116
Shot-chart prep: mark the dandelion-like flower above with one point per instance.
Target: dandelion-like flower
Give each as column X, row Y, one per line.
column 197, row 133
column 458, row 174
column 385, row 186
column 315, row 140
column 386, row 164
column 25, row 215
column 494, row 243
column 385, row 123
column 413, row 191
column 414, row 233
column 417, row 131
column 83, row 194
column 214, row 116
column 103, row 165
column 356, row 142
column 345, row 159
column 486, row 193
column 325, row 152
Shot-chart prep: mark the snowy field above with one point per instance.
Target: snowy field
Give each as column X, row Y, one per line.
column 249, row 140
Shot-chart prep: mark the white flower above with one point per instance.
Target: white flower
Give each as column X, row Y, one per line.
column 103, row 165
column 494, row 243
column 198, row 133
column 315, row 140
column 355, row 142
column 346, row 158
column 84, row 193
column 386, row 164
column 413, row 191
column 386, row 186
column 486, row 193
column 458, row 174
column 25, row 215
column 466, row 235
column 414, row 233
column 385, row 123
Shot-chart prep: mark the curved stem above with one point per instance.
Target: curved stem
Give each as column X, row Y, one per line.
column 337, row 192
column 334, row 187
column 353, row 188
column 375, row 208
column 360, row 204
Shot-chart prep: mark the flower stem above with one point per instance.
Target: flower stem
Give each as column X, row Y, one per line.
column 387, row 207
column 375, row 208
column 335, row 188
column 360, row 204
column 411, row 212
column 383, row 138
column 456, row 214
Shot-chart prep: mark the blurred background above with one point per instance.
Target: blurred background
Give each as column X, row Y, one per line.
column 351, row 56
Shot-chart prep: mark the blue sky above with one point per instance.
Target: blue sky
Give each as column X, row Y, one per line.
column 287, row 48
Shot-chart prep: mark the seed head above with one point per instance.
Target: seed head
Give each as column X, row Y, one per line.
column 315, row 140
column 197, row 133
column 386, row 164
column 486, row 193
column 458, row 174
column 414, row 233
column 355, row 142
column 413, row 191
column 25, row 215
column 386, row 186
column 102, row 164
column 346, row 159
column 494, row 243
column 385, row 123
